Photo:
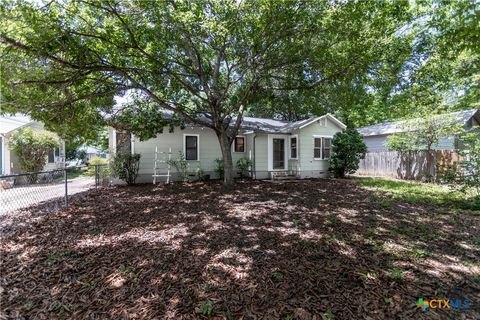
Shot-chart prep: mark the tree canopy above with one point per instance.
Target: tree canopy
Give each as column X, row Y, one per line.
column 210, row 62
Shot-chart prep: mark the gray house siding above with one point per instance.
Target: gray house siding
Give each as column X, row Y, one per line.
column 310, row 167
column 258, row 147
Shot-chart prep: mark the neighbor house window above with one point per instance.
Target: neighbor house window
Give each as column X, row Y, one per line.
column 239, row 144
column 327, row 146
column 317, row 148
column 191, row 147
column 53, row 154
column 293, row 147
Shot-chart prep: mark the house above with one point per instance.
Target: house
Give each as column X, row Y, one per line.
column 8, row 160
column 300, row 149
column 375, row 136
column 92, row 152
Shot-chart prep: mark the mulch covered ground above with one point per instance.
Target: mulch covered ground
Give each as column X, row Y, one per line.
column 321, row 249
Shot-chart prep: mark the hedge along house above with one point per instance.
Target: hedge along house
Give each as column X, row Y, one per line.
column 298, row 149
column 9, row 163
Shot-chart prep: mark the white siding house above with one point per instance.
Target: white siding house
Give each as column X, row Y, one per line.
column 299, row 149
column 8, row 159
column 375, row 136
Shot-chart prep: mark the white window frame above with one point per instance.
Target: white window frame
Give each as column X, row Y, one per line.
column 323, row 147
column 321, row 137
column 185, row 135
column 290, row 147
column 244, row 144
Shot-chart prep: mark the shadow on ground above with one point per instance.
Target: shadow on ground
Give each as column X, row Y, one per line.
column 306, row 250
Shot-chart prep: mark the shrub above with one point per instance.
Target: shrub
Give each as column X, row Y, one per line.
column 347, row 150
column 32, row 147
column 243, row 164
column 125, row 166
column 200, row 174
column 466, row 175
column 97, row 161
column 219, row 169
column 181, row 165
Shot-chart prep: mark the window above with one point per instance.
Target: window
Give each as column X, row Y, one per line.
column 327, row 145
column 317, row 148
column 239, row 144
column 293, row 147
column 191, row 147
column 53, row 154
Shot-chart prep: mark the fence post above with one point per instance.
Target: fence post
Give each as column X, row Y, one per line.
column 97, row 178
column 66, row 186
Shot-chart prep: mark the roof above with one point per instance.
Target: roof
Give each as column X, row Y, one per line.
column 14, row 122
column 460, row 117
column 263, row 125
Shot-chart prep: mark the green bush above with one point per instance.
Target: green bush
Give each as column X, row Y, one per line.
column 243, row 164
column 200, row 174
column 96, row 161
column 347, row 150
column 125, row 166
column 465, row 176
column 181, row 165
column 219, row 170
column 32, row 148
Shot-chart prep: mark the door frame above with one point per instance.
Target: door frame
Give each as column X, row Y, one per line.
column 270, row 151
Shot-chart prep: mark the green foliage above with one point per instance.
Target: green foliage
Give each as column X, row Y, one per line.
column 423, row 133
column 181, row 165
column 200, row 174
column 465, row 176
column 65, row 61
column 395, row 274
column 347, row 150
column 207, row 308
column 243, row 164
column 32, row 148
column 415, row 192
column 97, row 161
column 125, row 166
column 219, row 168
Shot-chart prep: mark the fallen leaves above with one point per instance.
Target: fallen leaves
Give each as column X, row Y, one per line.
column 320, row 249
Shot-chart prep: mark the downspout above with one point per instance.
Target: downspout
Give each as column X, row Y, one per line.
column 254, row 158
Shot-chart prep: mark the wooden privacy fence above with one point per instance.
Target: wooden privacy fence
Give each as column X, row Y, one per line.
column 414, row 165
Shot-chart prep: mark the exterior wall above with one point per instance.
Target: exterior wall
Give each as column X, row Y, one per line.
column 308, row 167
column 376, row 143
column 209, row 150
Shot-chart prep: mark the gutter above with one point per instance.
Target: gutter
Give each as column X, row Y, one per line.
column 254, row 169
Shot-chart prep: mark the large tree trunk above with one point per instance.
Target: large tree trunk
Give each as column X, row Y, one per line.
column 225, row 146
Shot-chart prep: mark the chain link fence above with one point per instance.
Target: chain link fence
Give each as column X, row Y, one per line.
column 52, row 188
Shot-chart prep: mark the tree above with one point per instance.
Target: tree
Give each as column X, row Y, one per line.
column 347, row 150
column 32, row 148
column 424, row 134
column 203, row 62
column 466, row 175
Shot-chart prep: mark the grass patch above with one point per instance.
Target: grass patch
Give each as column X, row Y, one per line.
column 395, row 274
column 416, row 192
column 75, row 173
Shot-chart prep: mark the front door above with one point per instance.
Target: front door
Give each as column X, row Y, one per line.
column 278, row 154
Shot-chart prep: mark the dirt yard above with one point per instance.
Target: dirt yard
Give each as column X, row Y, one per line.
column 320, row 249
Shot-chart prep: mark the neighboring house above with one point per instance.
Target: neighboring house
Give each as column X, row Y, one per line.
column 92, row 152
column 300, row 149
column 8, row 159
column 375, row 136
